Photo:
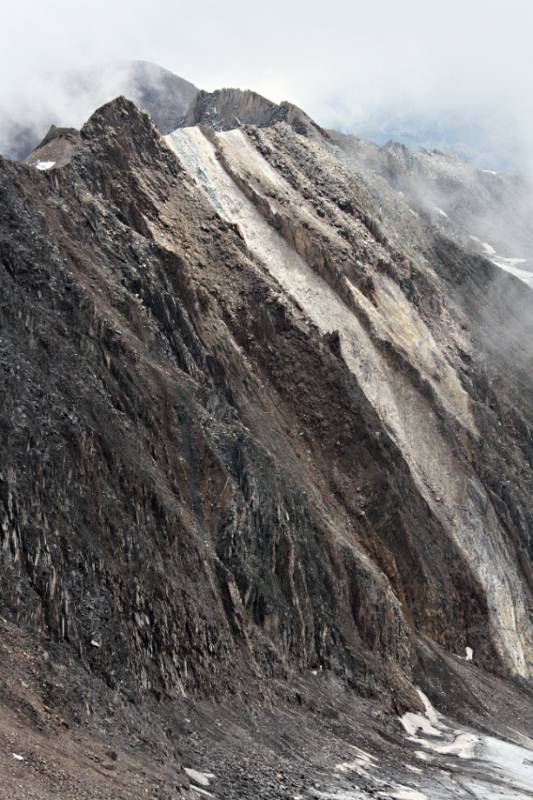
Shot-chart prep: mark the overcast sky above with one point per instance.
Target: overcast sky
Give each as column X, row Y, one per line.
column 353, row 64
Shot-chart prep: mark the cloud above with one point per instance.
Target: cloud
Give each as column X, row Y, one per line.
column 352, row 64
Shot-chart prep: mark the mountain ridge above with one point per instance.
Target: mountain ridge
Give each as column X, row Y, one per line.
column 258, row 441
column 164, row 95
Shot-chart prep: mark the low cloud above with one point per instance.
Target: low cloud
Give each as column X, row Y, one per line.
column 354, row 65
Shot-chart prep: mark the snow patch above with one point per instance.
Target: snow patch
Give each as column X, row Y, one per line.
column 413, row 723
column 44, row 165
column 463, row 746
column 404, row 793
column 509, row 265
column 431, row 712
column 488, row 248
column 440, row 211
column 504, row 764
column 431, row 724
column 202, row 792
column 512, row 761
column 200, row 778
column 469, row 654
column 424, row 756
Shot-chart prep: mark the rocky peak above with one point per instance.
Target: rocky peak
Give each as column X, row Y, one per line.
column 399, row 155
column 161, row 93
column 118, row 116
column 56, row 149
column 227, row 109
column 164, row 95
column 69, row 134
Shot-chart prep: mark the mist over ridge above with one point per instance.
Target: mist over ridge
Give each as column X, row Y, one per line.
column 424, row 73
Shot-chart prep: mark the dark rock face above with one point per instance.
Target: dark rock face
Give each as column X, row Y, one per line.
column 226, row 109
column 403, row 311
column 162, row 444
column 209, row 487
column 68, row 134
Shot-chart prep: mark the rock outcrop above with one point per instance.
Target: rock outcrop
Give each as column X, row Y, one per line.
column 226, row 109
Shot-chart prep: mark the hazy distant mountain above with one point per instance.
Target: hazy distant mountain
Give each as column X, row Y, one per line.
column 165, row 96
column 168, row 97
column 484, row 211
column 466, row 139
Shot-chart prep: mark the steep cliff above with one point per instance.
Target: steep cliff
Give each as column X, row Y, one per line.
column 260, row 423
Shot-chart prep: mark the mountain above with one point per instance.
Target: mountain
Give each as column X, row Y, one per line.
column 484, row 211
column 165, row 96
column 483, row 142
column 266, row 468
column 161, row 93
column 226, row 109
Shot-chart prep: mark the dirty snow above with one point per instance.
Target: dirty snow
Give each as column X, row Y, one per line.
column 246, row 157
column 403, row 793
column 396, row 318
column 201, row 791
column 200, row 778
column 412, row 723
column 461, row 763
column 420, row 754
column 510, row 760
column 497, row 765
